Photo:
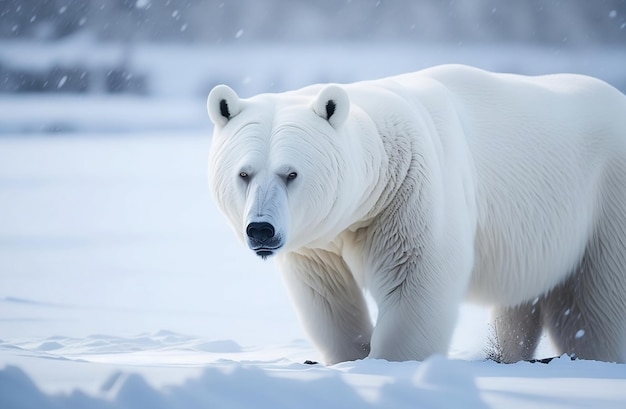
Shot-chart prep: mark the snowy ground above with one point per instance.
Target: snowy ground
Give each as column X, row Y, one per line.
column 122, row 286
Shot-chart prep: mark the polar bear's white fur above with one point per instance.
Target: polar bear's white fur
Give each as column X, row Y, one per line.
column 430, row 187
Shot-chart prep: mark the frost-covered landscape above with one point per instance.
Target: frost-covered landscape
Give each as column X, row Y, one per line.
column 122, row 286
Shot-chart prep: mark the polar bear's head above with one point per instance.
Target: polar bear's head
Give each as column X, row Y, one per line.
column 278, row 165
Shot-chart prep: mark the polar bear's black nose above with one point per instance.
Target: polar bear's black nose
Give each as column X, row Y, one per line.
column 260, row 231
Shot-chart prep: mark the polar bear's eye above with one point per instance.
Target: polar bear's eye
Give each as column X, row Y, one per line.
column 243, row 175
column 292, row 176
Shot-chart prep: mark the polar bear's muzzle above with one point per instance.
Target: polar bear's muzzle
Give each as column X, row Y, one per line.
column 262, row 238
column 266, row 217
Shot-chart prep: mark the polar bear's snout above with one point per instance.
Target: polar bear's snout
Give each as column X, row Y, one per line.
column 266, row 217
column 260, row 231
column 262, row 238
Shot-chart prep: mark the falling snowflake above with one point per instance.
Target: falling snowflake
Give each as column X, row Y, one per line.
column 142, row 4
column 62, row 81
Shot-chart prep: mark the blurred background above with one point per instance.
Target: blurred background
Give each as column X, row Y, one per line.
column 178, row 50
column 106, row 222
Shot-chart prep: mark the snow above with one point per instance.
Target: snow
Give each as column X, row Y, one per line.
column 123, row 287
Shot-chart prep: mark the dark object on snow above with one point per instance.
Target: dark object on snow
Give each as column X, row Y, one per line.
column 547, row 360
column 534, row 361
column 307, row 362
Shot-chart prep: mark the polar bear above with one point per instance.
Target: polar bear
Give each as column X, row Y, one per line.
column 430, row 188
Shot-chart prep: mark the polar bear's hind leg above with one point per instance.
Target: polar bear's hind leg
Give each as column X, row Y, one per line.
column 586, row 315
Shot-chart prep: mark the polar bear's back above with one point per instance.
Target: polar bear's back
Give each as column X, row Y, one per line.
column 488, row 99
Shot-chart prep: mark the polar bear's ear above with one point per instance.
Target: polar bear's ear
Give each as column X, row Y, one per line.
column 332, row 104
column 222, row 104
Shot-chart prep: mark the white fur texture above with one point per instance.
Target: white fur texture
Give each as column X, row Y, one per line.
column 429, row 187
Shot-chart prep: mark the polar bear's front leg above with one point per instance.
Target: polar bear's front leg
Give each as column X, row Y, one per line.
column 330, row 304
column 418, row 284
column 416, row 319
